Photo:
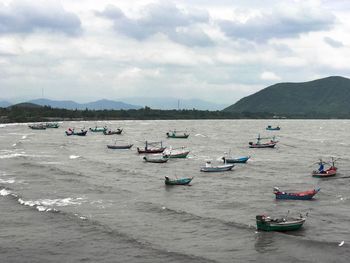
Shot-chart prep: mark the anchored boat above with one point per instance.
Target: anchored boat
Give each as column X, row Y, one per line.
column 266, row 223
column 156, row 158
column 37, row 126
column 269, row 128
column 73, row 132
column 219, row 168
column 98, row 129
column 180, row 181
column 306, row 195
column 152, row 147
column 110, row 132
column 118, row 147
column 271, row 144
column 242, row 159
column 321, row 173
column 176, row 153
column 177, row 134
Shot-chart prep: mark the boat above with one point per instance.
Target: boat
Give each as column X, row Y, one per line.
column 37, row 127
column 219, row 168
column 117, row 147
column 98, row 129
column 52, row 125
column 176, row 153
column 177, row 135
column 306, row 195
column 179, row 181
column 110, row 132
column 73, row 132
column 321, row 173
column 271, row 144
column 269, row 128
column 282, row 224
column 157, row 158
column 152, row 149
column 242, row 159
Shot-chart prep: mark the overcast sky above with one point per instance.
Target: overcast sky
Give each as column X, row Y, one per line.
column 217, row 51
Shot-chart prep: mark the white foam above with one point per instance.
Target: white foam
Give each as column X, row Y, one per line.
column 341, row 243
column 74, row 156
column 41, row 208
column 24, row 137
column 9, row 181
column 4, row 192
column 11, row 155
column 198, row 134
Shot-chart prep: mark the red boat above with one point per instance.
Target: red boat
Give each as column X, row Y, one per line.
column 306, row 195
column 153, row 149
column 331, row 171
column 271, row 144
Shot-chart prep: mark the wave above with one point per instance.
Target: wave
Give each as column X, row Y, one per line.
column 74, row 156
column 99, row 227
column 9, row 181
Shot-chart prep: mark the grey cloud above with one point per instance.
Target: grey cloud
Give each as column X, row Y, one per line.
column 277, row 25
column 24, row 17
column 165, row 18
column 332, row 42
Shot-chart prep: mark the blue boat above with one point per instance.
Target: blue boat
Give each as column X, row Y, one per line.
column 242, row 159
column 306, row 195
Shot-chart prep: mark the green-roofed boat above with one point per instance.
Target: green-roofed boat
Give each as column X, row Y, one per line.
column 177, row 134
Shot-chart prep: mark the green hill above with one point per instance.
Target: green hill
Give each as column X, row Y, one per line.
column 329, row 97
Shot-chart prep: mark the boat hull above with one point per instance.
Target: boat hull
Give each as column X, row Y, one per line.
column 178, row 155
column 155, row 150
column 97, row 129
column 76, row 133
column 273, row 129
column 236, row 160
column 184, row 136
column 308, row 195
column 214, row 169
column 155, row 160
column 262, row 145
column 271, row 225
column 128, row 146
column 112, row 132
column 181, row 181
column 327, row 173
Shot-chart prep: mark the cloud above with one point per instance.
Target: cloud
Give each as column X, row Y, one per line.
column 332, row 42
column 281, row 22
column 28, row 16
column 180, row 26
column 268, row 75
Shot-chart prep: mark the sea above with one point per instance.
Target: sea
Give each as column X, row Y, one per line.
column 70, row 199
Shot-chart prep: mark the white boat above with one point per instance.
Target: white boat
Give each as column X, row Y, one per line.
column 219, row 168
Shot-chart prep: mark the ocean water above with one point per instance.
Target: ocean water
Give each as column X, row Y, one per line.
column 70, row 199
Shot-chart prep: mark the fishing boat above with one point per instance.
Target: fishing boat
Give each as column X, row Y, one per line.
column 270, row 128
column 156, row 158
column 282, row 224
column 177, row 134
column 321, row 173
column 176, row 153
column 52, row 125
column 179, row 181
column 73, row 132
column 271, row 144
column 110, row 132
column 151, row 147
column 98, row 129
column 306, row 195
column 219, row 168
column 118, row 147
column 241, row 159
column 37, row 127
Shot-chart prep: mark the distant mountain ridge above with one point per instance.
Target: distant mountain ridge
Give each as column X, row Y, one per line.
column 96, row 105
column 327, row 96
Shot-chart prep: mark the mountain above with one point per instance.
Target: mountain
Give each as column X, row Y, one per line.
column 168, row 103
column 327, row 97
column 96, row 105
column 25, row 105
column 4, row 104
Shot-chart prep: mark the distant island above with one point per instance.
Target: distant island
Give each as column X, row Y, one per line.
column 318, row 99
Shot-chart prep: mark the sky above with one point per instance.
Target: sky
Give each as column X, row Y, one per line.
column 218, row 51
